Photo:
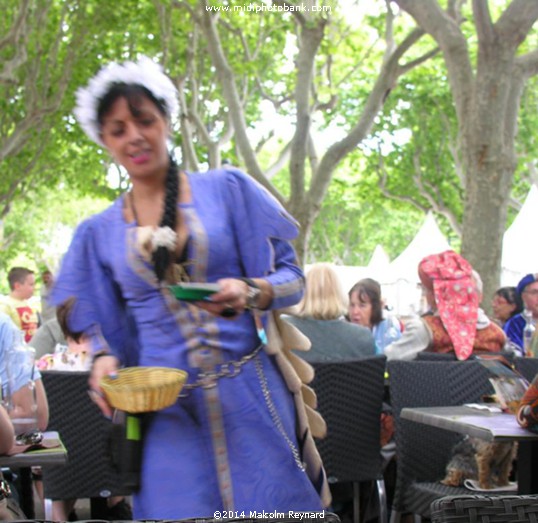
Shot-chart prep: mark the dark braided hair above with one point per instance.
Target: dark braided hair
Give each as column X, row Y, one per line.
column 133, row 93
column 162, row 257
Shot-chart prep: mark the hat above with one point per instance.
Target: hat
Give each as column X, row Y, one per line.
column 449, row 276
column 526, row 280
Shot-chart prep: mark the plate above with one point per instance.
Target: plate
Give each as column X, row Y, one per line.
column 472, row 484
column 194, row 291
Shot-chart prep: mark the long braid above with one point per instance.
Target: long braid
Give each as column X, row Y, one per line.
column 162, row 257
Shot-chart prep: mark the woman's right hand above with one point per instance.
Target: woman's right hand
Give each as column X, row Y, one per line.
column 102, row 366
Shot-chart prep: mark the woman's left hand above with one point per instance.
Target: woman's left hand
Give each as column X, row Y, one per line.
column 229, row 301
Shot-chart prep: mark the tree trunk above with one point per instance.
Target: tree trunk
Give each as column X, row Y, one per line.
column 487, row 102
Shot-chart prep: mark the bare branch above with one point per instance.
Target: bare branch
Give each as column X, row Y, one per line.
column 386, row 79
column 229, row 88
column 16, row 38
column 528, row 63
column 516, row 21
column 446, row 31
column 483, row 22
column 312, row 154
column 280, row 162
column 417, row 61
column 301, row 19
column 427, row 191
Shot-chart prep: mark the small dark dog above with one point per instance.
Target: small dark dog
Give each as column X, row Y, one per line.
column 488, row 462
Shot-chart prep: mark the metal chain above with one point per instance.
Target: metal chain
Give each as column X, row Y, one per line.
column 229, row 369
column 274, row 414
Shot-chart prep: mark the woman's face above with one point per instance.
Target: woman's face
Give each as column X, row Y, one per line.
column 502, row 310
column 360, row 309
column 137, row 142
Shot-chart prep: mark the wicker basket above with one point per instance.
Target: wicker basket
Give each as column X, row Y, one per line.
column 143, row 389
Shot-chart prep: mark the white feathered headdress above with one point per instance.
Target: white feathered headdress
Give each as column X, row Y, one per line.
column 144, row 72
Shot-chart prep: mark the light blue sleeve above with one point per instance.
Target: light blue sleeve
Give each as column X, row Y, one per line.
column 15, row 354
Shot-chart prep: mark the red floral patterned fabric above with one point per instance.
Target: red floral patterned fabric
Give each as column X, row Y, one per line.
column 450, row 277
column 491, row 339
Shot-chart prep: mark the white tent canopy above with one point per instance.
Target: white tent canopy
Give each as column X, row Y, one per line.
column 428, row 240
column 379, row 266
column 404, row 293
column 399, row 279
column 520, row 250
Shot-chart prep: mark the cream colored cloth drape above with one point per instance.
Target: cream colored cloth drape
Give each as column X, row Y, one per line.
column 282, row 337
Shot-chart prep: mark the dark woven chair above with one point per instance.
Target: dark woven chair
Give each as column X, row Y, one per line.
column 485, row 509
column 276, row 517
column 350, row 398
column 508, row 357
column 84, row 432
column 423, row 451
column 527, row 367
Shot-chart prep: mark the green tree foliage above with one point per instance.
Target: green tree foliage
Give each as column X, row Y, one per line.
column 38, row 229
column 333, row 111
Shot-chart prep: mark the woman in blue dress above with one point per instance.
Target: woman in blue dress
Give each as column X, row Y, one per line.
column 230, row 443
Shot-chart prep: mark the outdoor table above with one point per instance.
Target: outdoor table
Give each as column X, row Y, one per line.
column 490, row 426
column 42, row 457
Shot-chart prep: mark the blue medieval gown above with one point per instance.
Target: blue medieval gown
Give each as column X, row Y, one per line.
column 232, row 446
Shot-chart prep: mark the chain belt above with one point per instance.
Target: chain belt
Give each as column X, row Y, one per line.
column 229, row 369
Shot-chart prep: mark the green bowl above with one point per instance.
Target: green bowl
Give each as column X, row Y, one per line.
column 193, row 291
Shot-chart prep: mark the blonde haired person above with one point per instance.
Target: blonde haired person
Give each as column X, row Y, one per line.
column 320, row 317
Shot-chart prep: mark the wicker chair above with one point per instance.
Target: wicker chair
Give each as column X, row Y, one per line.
column 84, row 432
column 350, row 398
column 508, row 357
column 485, row 509
column 528, row 367
column 422, row 451
column 326, row 517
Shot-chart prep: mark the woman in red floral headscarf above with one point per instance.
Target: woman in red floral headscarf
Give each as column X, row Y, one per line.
column 457, row 324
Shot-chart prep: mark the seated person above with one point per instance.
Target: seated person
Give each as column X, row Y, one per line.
column 527, row 289
column 320, row 317
column 7, row 434
column 457, row 324
column 15, row 381
column 10, row 509
column 56, row 352
column 366, row 309
column 47, row 337
column 506, row 304
column 23, row 401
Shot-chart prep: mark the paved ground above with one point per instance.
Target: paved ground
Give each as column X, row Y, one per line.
column 82, row 509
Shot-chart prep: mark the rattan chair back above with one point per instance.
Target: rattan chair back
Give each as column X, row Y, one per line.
column 485, row 509
column 350, row 399
column 84, row 432
column 507, row 357
column 422, row 451
column 527, row 367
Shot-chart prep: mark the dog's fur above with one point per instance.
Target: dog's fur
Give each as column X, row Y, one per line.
column 488, row 462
